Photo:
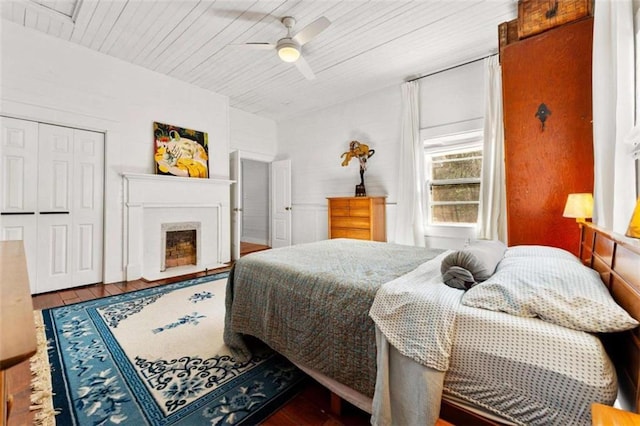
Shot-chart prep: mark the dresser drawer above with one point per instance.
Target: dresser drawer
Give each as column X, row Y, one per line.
column 339, row 204
column 340, row 211
column 358, row 234
column 354, row 212
column 356, row 203
column 350, row 222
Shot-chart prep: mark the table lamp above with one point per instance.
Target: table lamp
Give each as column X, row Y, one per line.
column 633, row 230
column 579, row 206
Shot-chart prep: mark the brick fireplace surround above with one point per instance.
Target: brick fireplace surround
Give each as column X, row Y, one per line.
column 180, row 249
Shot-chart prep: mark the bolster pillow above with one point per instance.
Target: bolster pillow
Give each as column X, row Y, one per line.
column 476, row 263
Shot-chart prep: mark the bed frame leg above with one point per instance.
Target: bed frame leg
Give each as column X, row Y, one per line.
column 336, row 404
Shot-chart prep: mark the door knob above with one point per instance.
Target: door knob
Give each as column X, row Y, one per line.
column 287, row 208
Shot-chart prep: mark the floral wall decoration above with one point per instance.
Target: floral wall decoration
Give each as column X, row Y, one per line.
column 180, row 152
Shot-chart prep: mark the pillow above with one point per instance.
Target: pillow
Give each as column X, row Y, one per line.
column 555, row 290
column 539, row 251
column 464, row 268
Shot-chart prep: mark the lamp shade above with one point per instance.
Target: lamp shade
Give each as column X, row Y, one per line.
column 579, row 206
column 634, row 225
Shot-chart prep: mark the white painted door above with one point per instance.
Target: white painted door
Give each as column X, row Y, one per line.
column 55, row 174
column 280, row 203
column 59, row 178
column 18, row 195
column 87, row 207
column 235, row 174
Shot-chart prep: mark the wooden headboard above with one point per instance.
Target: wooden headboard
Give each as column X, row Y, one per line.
column 617, row 259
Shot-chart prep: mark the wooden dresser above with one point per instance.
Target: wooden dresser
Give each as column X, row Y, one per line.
column 362, row 218
column 17, row 327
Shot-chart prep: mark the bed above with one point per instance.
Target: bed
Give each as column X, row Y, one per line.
column 319, row 317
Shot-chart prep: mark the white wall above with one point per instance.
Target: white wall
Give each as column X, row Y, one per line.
column 51, row 80
column 451, row 101
column 315, row 143
column 255, row 137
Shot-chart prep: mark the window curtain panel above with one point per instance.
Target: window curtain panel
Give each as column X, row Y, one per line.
column 410, row 210
column 492, row 213
column 613, row 114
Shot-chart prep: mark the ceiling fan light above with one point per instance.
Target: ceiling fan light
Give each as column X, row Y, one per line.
column 288, row 52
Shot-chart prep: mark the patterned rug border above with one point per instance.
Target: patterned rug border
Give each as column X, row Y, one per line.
column 43, row 397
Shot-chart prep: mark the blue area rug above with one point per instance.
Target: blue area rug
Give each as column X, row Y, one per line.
column 156, row 357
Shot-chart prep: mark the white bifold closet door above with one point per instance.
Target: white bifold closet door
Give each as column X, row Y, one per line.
column 53, row 200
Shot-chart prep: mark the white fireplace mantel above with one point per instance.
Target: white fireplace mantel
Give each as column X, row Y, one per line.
column 165, row 178
column 151, row 200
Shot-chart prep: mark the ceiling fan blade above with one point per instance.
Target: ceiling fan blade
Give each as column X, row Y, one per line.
column 310, row 31
column 304, row 68
column 243, row 15
column 257, row 45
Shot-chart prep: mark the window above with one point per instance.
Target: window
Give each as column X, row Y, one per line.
column 453, row 166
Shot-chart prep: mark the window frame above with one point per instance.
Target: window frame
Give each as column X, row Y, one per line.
column 452, row 143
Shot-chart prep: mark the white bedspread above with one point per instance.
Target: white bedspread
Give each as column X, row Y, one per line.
column 415, row 315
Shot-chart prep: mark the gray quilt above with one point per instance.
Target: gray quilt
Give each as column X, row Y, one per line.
column 311, row 303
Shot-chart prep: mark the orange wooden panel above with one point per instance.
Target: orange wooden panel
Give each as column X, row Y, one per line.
column 350, row 222
column 543, row 166
column 341, row 203
column 604, row 249
column 360, row 203
column 625, row 296
column 589, row 234
column 604, row 415
column 359, row 212
column 603, row 269
column 17, row 328
column 586, row 254
column 359, row 234
column 627, row 265
column 339, row 211
column 4, row 399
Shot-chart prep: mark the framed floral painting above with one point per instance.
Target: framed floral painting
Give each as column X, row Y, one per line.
column 180, row 152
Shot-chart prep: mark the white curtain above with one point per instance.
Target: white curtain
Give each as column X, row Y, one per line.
column 613, row 113
column 492, row 214
column 409, row 213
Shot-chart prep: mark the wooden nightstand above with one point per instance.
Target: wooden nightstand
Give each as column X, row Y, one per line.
column 604, row 415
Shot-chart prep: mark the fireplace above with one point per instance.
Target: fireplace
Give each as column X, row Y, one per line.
column 180, row 244
column 200, row 204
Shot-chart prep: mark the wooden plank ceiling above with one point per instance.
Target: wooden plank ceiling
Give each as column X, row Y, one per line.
column 368, row 46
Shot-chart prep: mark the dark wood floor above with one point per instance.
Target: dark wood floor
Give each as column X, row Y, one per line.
column 310, row 407
column 246, row 248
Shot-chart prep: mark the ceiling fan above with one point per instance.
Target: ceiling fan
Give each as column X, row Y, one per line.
column 289, row 48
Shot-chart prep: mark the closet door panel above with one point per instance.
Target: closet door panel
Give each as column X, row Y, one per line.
column 19, row 152
column 18, row 187
column 55, row 215
column 87, row 207
column 53, row 253
column 55, row 169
